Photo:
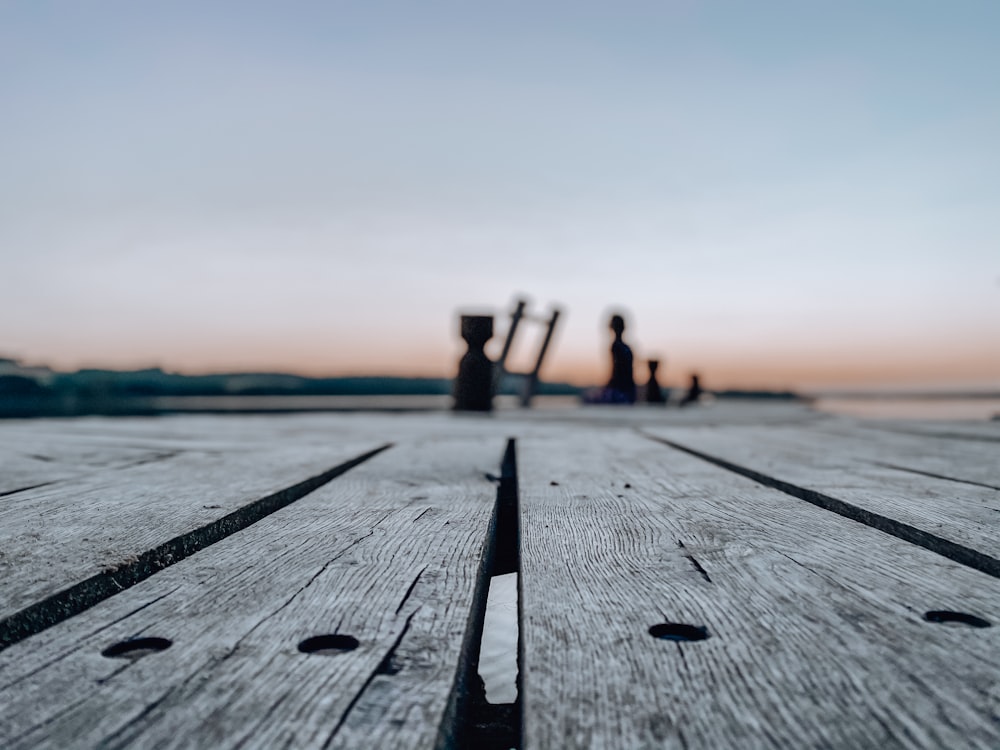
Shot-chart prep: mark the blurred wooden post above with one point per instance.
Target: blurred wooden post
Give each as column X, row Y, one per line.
column 474, row 383
column 499, row 369
column 531, row 382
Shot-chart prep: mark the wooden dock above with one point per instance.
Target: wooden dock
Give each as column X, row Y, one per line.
column 740, row 576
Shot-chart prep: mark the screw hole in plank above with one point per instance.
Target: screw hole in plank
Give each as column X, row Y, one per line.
column 133, row 648
column 945, row 616
column 333, row 643
column 678, row 631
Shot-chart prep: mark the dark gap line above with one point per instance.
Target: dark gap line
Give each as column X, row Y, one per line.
column 410, row 589
column 387, row 659
column 85, row 594
column 694, row 561
column 25, row 489
column 150, row 459
column 931, row 542
column 89, row 635
column 470, row 721
column 453, row 730
column 933, row 475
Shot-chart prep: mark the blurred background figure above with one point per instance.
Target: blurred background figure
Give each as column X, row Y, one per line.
column 654, row 394
column 693, row 396
column 622, row 381
column 621, row 387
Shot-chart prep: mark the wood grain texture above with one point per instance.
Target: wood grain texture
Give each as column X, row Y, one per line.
column 55, row 536
column 45, row 451
column 816, row 622
column 28, row 460
column 138, row 494
column 392, row 554
column 816, row 631
column 129, row 485
column 854, row 472
column 961, row 431
column 968, row 462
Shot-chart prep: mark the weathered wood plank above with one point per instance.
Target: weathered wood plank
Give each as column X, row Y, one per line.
column 724, row 412
column 44, row 451
column 963, row 432
column 28, row 460
column 969, row 461
column 815, row 622
column 99, row 527
column 391, row 554
column 815, row 460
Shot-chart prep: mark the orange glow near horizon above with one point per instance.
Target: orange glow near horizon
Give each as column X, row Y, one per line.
column 772, row 368
column 759, row 211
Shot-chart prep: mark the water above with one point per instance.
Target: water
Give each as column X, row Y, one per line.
column 898, row 407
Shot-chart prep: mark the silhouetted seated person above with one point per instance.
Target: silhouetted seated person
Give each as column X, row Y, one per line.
column 693, row 396
column 621, row 388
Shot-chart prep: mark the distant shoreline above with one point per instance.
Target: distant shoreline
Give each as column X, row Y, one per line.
column 39, row 392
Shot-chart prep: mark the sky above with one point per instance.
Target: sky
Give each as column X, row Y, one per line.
column 777, row 194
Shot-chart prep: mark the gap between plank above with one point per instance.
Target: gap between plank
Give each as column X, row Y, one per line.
column 25, row 489
column 470, row 721
column 931, row 474
column 931, row 542
column 461, row 724
column 85, row 594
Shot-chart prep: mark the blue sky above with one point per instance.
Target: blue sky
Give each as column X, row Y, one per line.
column 779, row 193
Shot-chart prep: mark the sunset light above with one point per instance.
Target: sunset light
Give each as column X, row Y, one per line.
column 779, row 196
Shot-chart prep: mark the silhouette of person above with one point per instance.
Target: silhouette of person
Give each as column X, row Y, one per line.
column 621, row 387
column 694, row 392
column 653, row 393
